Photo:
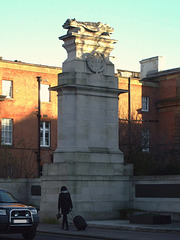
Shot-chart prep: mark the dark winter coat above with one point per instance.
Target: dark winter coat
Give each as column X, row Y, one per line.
column 65, row 202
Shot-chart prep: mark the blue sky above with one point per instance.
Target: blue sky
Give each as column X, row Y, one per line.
column 29, row 29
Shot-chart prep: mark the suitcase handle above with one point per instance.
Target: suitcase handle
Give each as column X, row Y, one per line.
column 72, row 214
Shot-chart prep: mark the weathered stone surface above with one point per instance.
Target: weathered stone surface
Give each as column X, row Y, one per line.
column 87, row 159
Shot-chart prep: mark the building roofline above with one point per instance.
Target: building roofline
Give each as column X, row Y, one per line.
column 162, row 73
column 127, row 71
column 28, row 64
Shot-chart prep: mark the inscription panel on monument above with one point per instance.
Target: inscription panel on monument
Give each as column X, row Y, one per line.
column 157, row 190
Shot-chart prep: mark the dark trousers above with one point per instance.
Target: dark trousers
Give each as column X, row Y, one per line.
column 65, row 222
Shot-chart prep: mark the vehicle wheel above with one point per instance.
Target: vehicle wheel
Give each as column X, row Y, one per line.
column 29, row 235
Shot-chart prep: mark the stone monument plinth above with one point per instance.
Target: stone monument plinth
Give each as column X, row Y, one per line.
column 87, row 159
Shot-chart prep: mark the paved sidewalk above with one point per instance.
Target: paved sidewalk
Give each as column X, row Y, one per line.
column 108, row 229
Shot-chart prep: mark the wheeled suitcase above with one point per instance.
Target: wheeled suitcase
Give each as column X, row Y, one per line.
column 79, row 222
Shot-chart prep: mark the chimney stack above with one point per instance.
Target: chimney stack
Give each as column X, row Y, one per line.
column 151, row 65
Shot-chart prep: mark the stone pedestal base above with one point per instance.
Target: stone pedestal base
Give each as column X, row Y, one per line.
column 98, row 189
column 98, row 155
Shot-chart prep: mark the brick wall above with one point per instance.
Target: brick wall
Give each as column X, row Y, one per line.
column 23, row 107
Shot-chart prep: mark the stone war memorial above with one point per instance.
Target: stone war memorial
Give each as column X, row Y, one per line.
column 87, row 159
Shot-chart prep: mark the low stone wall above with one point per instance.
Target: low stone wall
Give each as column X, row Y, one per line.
column 25, row 190
column 159, row 194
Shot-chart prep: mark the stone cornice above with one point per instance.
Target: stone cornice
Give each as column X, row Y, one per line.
column 161, row 73
column 87, row 88
column 170, row 102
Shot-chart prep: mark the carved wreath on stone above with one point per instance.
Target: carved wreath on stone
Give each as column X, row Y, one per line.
column 96, row 62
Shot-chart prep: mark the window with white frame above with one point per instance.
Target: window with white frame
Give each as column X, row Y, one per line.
column 44, row 93
column 6, row 131
column 145, row 140
column 145, row 104
column 7, row 88
column 45, row 134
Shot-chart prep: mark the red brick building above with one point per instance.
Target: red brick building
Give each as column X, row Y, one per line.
column 18, row 117
column 154, row 110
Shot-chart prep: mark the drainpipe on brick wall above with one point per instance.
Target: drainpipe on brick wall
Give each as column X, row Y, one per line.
column 39, row 119
column 129, row 114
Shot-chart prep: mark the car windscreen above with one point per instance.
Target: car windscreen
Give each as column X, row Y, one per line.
column 6, row 197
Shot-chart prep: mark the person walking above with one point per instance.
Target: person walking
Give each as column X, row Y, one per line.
column 65, row 205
